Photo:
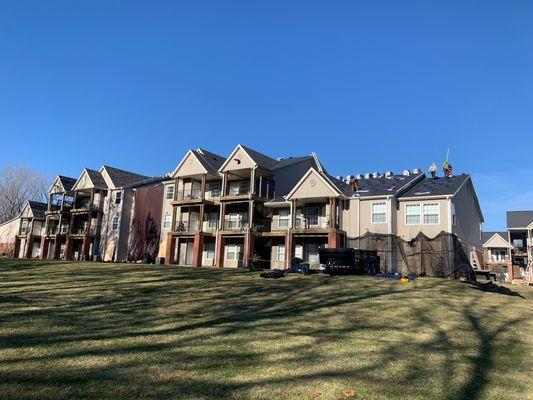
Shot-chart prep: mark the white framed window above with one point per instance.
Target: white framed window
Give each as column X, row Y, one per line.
column 167, row 220
column 118, row 197
column 209, row 251
column 170, row 192
column 379, row 213
column 412, row 214
column 284, row 217
column 281, row 252
column 233, row 252
column 498, row 255
column 431, row 213
column 114, row 224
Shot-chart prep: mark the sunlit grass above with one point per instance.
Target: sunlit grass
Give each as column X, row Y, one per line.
column 112, row 331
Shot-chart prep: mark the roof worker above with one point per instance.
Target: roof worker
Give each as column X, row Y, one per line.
column 445, row 168
column 433, row 170
column 450, row 172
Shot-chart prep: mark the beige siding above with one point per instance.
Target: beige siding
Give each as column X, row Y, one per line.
column 313, row 186
column 240, row 160
column 408, row 232
column 190, row 166
column 8, row 232
column 365, row 223
column 166, row 209
column 468, row 220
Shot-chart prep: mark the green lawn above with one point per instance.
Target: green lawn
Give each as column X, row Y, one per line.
column 107, row 331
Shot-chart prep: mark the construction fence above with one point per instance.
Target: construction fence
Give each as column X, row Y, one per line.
column 442, row 256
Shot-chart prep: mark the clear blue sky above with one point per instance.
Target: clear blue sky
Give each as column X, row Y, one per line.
column 369, row 86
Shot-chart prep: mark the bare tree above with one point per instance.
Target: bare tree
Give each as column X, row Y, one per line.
column 17, row 185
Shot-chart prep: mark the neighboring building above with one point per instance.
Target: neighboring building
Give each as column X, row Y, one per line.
column 60, row 202
column 28, row 239
column 95, row 224
column 498, row 253
column 520, row 235
column 8, row 236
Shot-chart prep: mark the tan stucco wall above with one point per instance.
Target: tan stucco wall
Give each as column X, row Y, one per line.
column 245, row 161
column 313, row 186
column 408, row 232
column 190, row 166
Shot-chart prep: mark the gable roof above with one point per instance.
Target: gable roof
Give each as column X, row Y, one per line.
column 96, row 178
column 485, row 236
column 120, row 178
column 260, row 159
column 38, row 209
column 287, row 162
column 330, row 182
column 498, row 238
column 66, row 182
column 383, row 186
column 519, row 219
column 210, row 161
column 442, row 186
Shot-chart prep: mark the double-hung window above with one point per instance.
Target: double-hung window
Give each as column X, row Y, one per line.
column 170, row 192
column 167, row 220
column 209, row 251
column 284, row 217
column 118, row 197
column 431, row 213
column 233, row 252
column 312, row 216
column 379, row 213
column 412, row 214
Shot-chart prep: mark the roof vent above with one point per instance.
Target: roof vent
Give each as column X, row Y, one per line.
column 340, row 178
column 376, row 175
column 416, row 171
column 388, row 174
column 279, row 158
column 367, row 176
column 406, row 172
column 349, row 177
column 358, row 176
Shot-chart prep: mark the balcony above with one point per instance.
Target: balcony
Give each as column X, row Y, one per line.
column 237, row 190
column 262, row 225
column 56, row 230
column 188, row 195
column 311, row 223
column 84, row 230
column 210, row 225
column 520, row 250
column 87, row 206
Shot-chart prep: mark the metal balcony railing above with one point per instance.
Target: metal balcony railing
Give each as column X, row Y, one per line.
column 210, row 225
column 311, row 223
column 56, row 230
column 262, row 225
column 241, row 189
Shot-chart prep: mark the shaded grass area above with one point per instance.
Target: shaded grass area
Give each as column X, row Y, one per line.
column 108, row 331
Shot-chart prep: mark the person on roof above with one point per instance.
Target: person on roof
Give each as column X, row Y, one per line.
column 445, row 168
column 433, row 171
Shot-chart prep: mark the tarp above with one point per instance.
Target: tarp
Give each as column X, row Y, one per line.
column 441, row 256
column 146, row 224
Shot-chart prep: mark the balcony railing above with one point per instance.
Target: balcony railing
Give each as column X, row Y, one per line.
column 262, row 225
column 187, row 226
column 84, row 230
column 235, row 225
column 24, row 230
column 520, row 249
column 311, row 223
column 241, row 189
column 56, row 230
column 210, row 225
column 189, row 194
column 88, row 206
column 212, row 195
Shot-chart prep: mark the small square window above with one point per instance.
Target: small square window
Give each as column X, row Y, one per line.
column 114, row 224
column 379, row 213
column 118, row 197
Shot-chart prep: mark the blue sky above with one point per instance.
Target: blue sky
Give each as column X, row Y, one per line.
column 369, row 86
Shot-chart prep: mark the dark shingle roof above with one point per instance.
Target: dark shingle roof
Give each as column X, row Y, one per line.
column 66, row 182
column 121, row 178
column 385, row 186
column 519, row 219
column 485, row 236
column 38, row 209
column 437, row 187
column 96, row 178
column 342, row 186
column 286, row 162
column 210, row 161
column 262, row 160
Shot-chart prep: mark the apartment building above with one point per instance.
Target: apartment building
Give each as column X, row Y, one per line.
column 57, row 224
column 31, row 230
column 8, row 236
column 95, row 215
column 520, row 235
column 253, row 208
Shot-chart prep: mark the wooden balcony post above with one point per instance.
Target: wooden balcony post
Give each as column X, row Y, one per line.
column 293, row 214
column 252, row 182
column 202, row 190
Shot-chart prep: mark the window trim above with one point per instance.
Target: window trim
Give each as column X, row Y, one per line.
column 286, row 218
column 115, row 222
column 372, row 212
column 170, row 189
column 165, row 226
column 423, row 214
column 419, row 205
column 281, row 246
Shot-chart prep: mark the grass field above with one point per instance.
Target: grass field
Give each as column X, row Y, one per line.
column 106, row 331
